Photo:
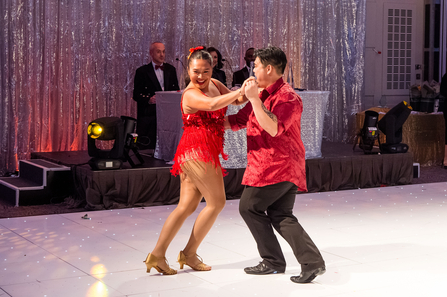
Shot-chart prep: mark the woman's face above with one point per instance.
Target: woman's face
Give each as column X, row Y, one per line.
column 200, row 72
column 215, row 58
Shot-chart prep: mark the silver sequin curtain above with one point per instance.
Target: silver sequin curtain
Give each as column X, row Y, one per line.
column 332, row 59
column 64, row 63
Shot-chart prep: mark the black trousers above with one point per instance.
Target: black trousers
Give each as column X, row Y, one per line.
column 265, row 208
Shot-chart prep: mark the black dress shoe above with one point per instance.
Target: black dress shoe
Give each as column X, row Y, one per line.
column 308, row 276
column 261, row 268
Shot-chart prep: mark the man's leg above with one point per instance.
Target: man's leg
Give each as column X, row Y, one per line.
column 287, row 225
column 252, row 206
column 142, row 130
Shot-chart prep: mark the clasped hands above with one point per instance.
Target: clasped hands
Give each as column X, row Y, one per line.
column 250, row 88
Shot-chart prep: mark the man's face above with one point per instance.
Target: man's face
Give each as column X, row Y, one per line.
column 249, row 57
column 157, row 53
column 261, row 74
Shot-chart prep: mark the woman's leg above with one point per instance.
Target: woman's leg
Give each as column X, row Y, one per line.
column 190, row 198
column 209, row 181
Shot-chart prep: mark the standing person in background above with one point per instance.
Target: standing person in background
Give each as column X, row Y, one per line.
column 153, row 77
column 241, row 75
column 217, row 65
column 203, row 107
column 275, row 169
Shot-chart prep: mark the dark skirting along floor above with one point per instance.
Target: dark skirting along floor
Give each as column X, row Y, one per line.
column 152, row 184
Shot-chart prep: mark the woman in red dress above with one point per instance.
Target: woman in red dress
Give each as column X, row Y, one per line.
column 203, row 107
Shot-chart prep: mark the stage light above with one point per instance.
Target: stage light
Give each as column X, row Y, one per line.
column 119, row 130
column 130, row 142
column 94, row 130
column 369, row 133
column 391, row 125
column 108, row 129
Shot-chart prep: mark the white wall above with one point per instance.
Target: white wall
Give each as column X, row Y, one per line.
column 376, row 93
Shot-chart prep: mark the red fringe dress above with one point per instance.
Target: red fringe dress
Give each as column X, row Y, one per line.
column 202, row 139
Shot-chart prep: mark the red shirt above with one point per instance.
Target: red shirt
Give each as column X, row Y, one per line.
column 272, row 160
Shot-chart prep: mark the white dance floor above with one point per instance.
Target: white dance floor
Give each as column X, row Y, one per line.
column 376, row 242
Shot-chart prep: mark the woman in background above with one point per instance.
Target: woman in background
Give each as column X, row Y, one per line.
column 217, row 65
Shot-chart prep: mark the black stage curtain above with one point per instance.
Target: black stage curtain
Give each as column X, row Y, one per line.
column 138, row 188
column 363, row 171
column 153, row 186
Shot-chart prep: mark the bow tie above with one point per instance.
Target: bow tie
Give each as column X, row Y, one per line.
column 159, row 67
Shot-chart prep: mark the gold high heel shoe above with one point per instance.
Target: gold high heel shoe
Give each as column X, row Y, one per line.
column 152, row 261
column 199, row 267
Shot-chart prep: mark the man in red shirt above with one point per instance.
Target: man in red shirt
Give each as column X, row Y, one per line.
column 275, row 169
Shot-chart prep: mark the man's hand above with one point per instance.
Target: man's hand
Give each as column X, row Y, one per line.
column 251, row 89
column 152, row 100
column 244, row 85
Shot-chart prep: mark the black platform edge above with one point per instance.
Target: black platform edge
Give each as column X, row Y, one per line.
column 36, row 170
column 340, row 168
column 10, row 188
column 47, row 164
column 31, row 172
column 31, row 186
column 20, row 183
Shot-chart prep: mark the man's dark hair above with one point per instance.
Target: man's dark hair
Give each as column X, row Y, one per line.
column 251, row 48
column 219, row 56
column 201, row 55
column 274, row 56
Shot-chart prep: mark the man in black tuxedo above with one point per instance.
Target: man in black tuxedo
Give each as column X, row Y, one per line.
column 153, row 77
column 241, row 75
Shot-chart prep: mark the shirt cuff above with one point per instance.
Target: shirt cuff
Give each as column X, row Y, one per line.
column 281, row 129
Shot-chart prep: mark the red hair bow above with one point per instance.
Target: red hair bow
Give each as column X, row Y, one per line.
column 191, row 50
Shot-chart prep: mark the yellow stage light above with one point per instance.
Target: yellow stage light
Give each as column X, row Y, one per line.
column 94, row 130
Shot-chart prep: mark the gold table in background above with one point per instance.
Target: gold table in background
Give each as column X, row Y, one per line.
column 423, row 132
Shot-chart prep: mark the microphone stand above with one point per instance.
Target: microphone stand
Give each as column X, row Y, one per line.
column 177, row 59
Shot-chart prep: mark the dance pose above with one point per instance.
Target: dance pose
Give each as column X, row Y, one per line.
column 275, row 170
column 197, row 162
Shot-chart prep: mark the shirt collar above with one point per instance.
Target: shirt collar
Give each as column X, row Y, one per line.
column 271, row 89
column 153, row 64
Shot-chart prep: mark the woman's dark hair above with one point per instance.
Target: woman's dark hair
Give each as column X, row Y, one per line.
column 274, row 56
column 219, row 57
column 201, row 55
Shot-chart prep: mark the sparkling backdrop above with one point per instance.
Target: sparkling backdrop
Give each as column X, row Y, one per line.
column 65, row 63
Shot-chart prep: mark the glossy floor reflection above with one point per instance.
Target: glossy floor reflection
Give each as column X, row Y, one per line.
column 376, row 242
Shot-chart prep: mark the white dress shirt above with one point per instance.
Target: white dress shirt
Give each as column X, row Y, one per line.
column 159, row 74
